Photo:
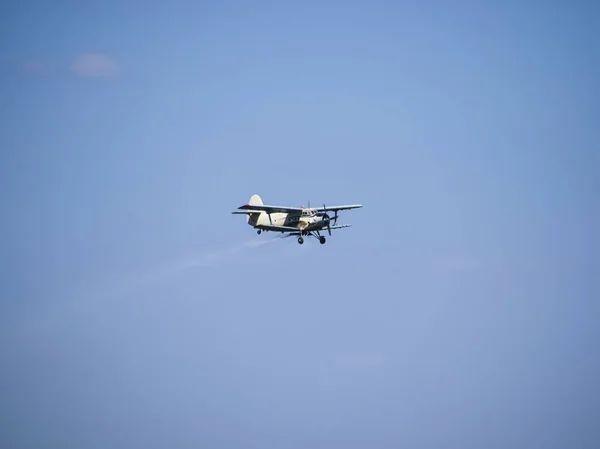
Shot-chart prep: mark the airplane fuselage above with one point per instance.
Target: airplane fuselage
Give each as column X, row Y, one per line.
column 299, row 221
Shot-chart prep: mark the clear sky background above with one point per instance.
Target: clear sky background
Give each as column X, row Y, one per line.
column 459, row 311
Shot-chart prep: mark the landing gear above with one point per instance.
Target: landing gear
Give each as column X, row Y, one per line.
column 259, row 231
column 316, row 235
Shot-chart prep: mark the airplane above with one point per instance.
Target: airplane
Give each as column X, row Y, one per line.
column 298, row 221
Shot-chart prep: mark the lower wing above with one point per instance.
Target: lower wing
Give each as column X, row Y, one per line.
column 340, row 226
column 293, row 229
column 277, row 228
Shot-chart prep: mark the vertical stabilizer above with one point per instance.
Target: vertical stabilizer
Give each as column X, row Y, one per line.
column 254, row 201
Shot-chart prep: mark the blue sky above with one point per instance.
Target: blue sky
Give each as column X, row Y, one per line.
column 461, row 308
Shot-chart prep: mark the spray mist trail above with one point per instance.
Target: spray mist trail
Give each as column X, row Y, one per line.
column 151, row 277
column 222, row 256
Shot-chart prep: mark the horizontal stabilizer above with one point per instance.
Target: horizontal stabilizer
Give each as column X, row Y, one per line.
column 247, row 212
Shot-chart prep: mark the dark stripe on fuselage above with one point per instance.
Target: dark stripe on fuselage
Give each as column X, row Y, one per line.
column 292, row 220
column 253, row 219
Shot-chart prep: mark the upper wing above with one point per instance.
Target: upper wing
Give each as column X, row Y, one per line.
column 336, row 208
column 268, row 209
column 250, row 208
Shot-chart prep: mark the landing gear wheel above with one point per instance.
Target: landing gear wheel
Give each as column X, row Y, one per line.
column 322, row 240
column 300, row 240
column 259, row 231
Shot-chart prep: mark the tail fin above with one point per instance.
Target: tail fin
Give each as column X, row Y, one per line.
column 254, row 201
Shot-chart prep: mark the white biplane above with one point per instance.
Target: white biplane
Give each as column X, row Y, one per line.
column 298, row 221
